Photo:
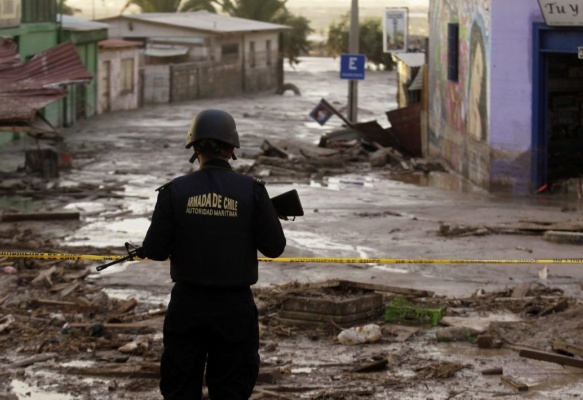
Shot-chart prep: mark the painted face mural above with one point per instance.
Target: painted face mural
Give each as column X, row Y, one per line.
column 477, row 116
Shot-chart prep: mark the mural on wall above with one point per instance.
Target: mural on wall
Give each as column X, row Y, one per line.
column 477, row 114
column 459, row 107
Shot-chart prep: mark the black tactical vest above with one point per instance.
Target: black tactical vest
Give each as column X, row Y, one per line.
column 213, row 243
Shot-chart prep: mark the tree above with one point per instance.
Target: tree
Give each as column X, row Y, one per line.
column 295, row 41
column 149, row 6
column 370, row 41
column 67, row 9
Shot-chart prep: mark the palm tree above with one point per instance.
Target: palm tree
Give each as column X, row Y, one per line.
column 150, row 6
column 258, row 10
column 67, row 9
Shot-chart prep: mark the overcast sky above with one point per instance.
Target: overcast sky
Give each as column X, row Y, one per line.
column 104, row 8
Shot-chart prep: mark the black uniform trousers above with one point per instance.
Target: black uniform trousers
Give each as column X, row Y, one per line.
column 216, row 327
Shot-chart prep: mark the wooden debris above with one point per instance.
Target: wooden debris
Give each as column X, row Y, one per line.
column 84, row 273
column 493, row 371
column 568, row 349
column 32, row 360
column 558, row 307
column 69, row 289
column 515, row 383
column 44, row 277
column 550, row 357
column 379, row 288
column 134, row 326
column 40, row 216
column 142, row 370
column 521, row 290
column 260, row 394
column 127, row 306
column 48, row 302
column 487, row 342
column 379, row 365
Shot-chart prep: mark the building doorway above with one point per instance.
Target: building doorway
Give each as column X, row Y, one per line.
column 557, row 107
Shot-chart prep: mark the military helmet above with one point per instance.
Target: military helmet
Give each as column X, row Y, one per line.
column 213, row 124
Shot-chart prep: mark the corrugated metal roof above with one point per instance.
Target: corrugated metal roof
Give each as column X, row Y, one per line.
column 79, row 24
column 29, row 86
column 205, row 21
column 115, row 43
column 8, row 54
column 411, row 59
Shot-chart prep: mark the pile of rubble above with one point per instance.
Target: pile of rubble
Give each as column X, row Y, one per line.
column 53, row 317
column 288, row 159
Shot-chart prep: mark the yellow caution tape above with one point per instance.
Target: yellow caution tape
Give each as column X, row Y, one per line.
column 321, row 260
column 58, row 256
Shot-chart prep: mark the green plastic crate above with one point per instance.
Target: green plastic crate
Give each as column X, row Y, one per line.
column 402, row 311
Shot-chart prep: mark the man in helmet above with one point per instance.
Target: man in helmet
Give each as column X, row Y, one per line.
column 211, row 223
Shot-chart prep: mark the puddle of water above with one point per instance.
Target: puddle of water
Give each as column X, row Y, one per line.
column 110, row 233
column 323, row 246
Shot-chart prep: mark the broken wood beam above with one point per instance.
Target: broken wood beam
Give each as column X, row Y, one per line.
column 550, row 357
column 32, row 360
column 493, row 371
column 48, row 302
column 379, row 365
column 567, row 349
column 121, row 326
column 143, row 370
column 40, row 216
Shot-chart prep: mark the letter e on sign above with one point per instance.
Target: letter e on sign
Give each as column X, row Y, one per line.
column 352, row 66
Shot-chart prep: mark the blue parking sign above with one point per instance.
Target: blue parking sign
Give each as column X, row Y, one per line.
column 352, row 66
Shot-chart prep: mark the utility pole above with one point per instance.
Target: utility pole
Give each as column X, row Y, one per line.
column 353, row 49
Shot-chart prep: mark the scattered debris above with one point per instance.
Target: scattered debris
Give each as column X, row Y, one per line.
column 369, row 333
column 515, row 383
column 550, row 357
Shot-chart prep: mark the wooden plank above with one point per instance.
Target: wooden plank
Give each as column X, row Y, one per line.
column 379, row 365
column 493, row 371
column 384, row 288
column 143, row 370
column 332, row 305
column 550, row 357
column 566, row 348
column 40, row 216
column 48, row 302
column 32, row 360
column 326, row 318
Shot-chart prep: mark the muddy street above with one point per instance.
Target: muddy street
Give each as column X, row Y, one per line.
column 96, row 334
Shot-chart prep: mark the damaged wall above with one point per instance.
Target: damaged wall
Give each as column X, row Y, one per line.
column 481, row 122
